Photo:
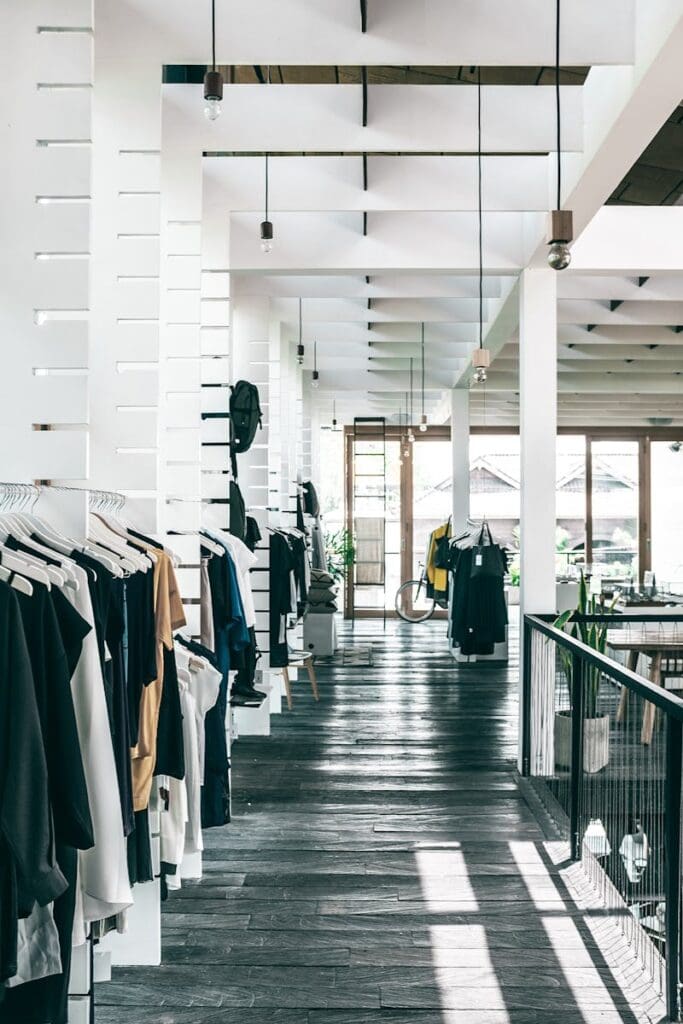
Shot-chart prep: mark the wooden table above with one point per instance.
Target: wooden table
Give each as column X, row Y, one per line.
column 659, row 644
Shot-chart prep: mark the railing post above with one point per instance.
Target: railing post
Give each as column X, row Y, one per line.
column 576, row 771
column 672, row 850
column 526, row 698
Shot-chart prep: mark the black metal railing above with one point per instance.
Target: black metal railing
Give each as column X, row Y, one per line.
column 602, row 746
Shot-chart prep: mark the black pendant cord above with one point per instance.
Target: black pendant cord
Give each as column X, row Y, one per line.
column 315, row 357
column 422, row 370
column 213, row 35
column 266, row 216
column 480, row 215
column 300, row 326
column 557, row 104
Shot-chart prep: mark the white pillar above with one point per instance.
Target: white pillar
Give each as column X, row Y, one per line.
column 538, row 430
column 460, row 458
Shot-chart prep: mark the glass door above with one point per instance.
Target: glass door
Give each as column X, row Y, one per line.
column 614, row 515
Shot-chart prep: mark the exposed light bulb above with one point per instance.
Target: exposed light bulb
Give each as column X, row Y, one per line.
column 559, row 256
column 423, row 423
column 266, row 236
column 315, row 379
column 560, row 235
column 212, row 110
column 411, row 437
column 213, row 94
column 479, row 376
column 300, row 354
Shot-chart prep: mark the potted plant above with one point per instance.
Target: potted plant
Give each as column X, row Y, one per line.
column 340, row 553
column 595, row 725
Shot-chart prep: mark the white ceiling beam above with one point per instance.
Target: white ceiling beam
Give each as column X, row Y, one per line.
column 394, row 242
column 404, row 285
column 620, row 382
column 655, row 288
column 591, row 311
column 432, row 32
column 335, row 183
column 633, row 240
column 406, row 118
column 577, row 334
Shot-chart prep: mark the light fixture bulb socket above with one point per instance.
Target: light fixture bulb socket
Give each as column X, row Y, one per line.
column 481, row 358
column 561, row 234
column 300, row 354
column 315, row 379
column 213, row 85
column 266, row 236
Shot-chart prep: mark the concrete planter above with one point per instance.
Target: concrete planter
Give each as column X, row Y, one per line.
column 595, row 742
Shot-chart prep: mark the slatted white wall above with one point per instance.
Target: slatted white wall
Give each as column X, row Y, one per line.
column 45, row 134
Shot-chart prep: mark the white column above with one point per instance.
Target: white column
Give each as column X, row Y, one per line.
column 460, row 458
column 538, row 430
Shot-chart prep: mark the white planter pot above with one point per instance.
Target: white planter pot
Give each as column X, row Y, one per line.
column 513, row 595
column 595, row 742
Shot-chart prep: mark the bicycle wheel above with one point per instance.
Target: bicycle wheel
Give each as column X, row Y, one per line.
column 412, row 603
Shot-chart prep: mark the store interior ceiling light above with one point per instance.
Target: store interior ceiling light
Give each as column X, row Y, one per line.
column 561, row 221
column 213, row 80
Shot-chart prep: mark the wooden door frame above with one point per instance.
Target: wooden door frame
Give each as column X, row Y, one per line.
column 393, row 432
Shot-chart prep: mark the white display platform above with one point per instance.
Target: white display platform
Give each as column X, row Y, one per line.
column 254, row 721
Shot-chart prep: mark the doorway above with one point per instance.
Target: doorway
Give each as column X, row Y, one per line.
column 408, row 487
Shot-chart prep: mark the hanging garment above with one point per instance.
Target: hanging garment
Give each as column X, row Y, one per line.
column 205, row 607
column 169, row 615
column 252, row 534
column 238, row 512
column 478, row 614
column 26, row 830
column 311, row 503
column 281, row 570
column 436, row 565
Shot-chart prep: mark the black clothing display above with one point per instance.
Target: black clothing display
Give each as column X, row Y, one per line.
column 170, row 751
column 289, row 579
column 478, row 612
column 311, row 503
column 238, row 512
column 27, row 853
column 252, row 534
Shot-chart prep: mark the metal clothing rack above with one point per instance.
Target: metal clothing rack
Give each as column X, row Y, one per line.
column 370, row 429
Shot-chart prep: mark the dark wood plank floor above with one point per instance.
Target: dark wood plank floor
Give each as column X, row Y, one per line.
column 382, row 866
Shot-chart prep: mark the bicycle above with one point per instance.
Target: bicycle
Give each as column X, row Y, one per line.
column 412, row 603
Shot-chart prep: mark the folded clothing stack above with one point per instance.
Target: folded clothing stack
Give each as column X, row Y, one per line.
column 321, row 594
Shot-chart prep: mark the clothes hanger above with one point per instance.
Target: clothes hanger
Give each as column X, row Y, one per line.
column 22, row 529
column 19, row 583
column 17, row 565
column 131, row 559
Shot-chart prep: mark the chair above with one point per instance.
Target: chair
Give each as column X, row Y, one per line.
column 300, row 659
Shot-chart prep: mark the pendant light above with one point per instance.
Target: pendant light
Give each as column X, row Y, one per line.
column 406, row 446
column 481, row 357
column 334, row 414
column 300, row 346
column 266, row 224
column 561, row 221
column 213, row 80
column 423, row 414
column 411, row 435
column 315, row 376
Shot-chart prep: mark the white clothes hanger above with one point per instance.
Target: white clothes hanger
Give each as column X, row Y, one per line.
column 17, row 564
column 19, row 583
column 131, row 559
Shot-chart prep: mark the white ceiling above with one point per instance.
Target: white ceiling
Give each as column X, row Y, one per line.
column 374, row 246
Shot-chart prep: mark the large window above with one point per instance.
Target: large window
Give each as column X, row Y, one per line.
column 666, row 515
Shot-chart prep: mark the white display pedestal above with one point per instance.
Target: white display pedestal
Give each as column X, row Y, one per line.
column 320, row 635
column 140, row 944
column 254, row 721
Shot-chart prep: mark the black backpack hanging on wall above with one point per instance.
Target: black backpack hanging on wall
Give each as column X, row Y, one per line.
column 245, row 417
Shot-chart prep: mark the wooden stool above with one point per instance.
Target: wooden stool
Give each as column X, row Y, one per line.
column 305, row 660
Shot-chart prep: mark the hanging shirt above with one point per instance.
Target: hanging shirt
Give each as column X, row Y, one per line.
column 26, row 831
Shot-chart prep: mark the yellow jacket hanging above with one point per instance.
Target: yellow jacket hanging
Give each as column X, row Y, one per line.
column 438, row 578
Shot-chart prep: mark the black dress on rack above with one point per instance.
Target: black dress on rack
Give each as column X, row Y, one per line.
column 478, row 614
